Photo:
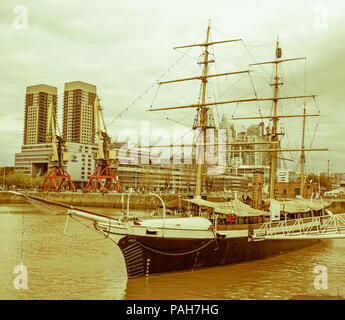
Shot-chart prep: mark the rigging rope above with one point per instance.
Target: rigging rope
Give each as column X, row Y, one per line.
column 251, row 80
column 155, row 95
column 55, row 210
column 175, row 254
column 149, row 87
column 235, row 83
column 45, row 208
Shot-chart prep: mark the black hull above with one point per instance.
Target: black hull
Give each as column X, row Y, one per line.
column 149, row 255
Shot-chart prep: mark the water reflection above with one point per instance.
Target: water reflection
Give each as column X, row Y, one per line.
column 85, row 265
column 280, row 277
column 79, row 265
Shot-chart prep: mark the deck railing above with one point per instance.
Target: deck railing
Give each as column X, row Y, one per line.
column 303, row 228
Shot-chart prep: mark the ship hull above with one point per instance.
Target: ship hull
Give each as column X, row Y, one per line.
column 147, row 255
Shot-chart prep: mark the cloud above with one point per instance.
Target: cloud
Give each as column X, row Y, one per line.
column 124, row 47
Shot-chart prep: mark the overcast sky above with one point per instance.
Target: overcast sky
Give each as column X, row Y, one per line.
column 123, row 47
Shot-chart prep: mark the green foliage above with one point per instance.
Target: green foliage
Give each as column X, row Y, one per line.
column 21, row 180
column 37, row 181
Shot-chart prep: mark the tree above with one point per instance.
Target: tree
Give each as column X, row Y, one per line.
column 19, row 179
column 37, row 181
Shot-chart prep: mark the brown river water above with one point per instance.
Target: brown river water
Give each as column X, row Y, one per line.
column 84, row 265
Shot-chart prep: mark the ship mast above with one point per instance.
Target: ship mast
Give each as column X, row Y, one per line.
column 302, row 153
column 203, row 119
column 275, row 118
column 303, row 135
column 274, row 134
column 203, row 107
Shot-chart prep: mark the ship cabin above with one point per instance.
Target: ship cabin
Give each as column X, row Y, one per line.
column 236, row 214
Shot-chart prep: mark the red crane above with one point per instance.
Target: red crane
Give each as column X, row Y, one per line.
column 104, row 177
column 57, row 178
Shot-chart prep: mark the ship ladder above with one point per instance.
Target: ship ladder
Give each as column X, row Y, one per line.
column 134, row 260
column 322, row 227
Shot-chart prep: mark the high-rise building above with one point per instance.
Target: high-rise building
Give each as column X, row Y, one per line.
column 78, row 114
column 37, row 101
column 78, row 104
column 230, row 132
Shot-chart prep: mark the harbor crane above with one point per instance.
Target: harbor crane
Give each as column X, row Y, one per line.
column 57, row 178
column 104, row 177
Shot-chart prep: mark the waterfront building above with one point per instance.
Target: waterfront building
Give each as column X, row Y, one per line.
column 37, row 101
column 78, row 129
column 230, row 132
column 33, row 160
column 242, row 162
column 289, row 190
column 254, row 134
column 78, row 113
column 133, row 175
column 139, row 174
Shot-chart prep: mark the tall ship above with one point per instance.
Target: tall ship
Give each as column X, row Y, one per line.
column 220, row 233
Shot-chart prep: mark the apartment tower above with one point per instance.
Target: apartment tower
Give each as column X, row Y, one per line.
column 37, row 101
column 78, row 114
